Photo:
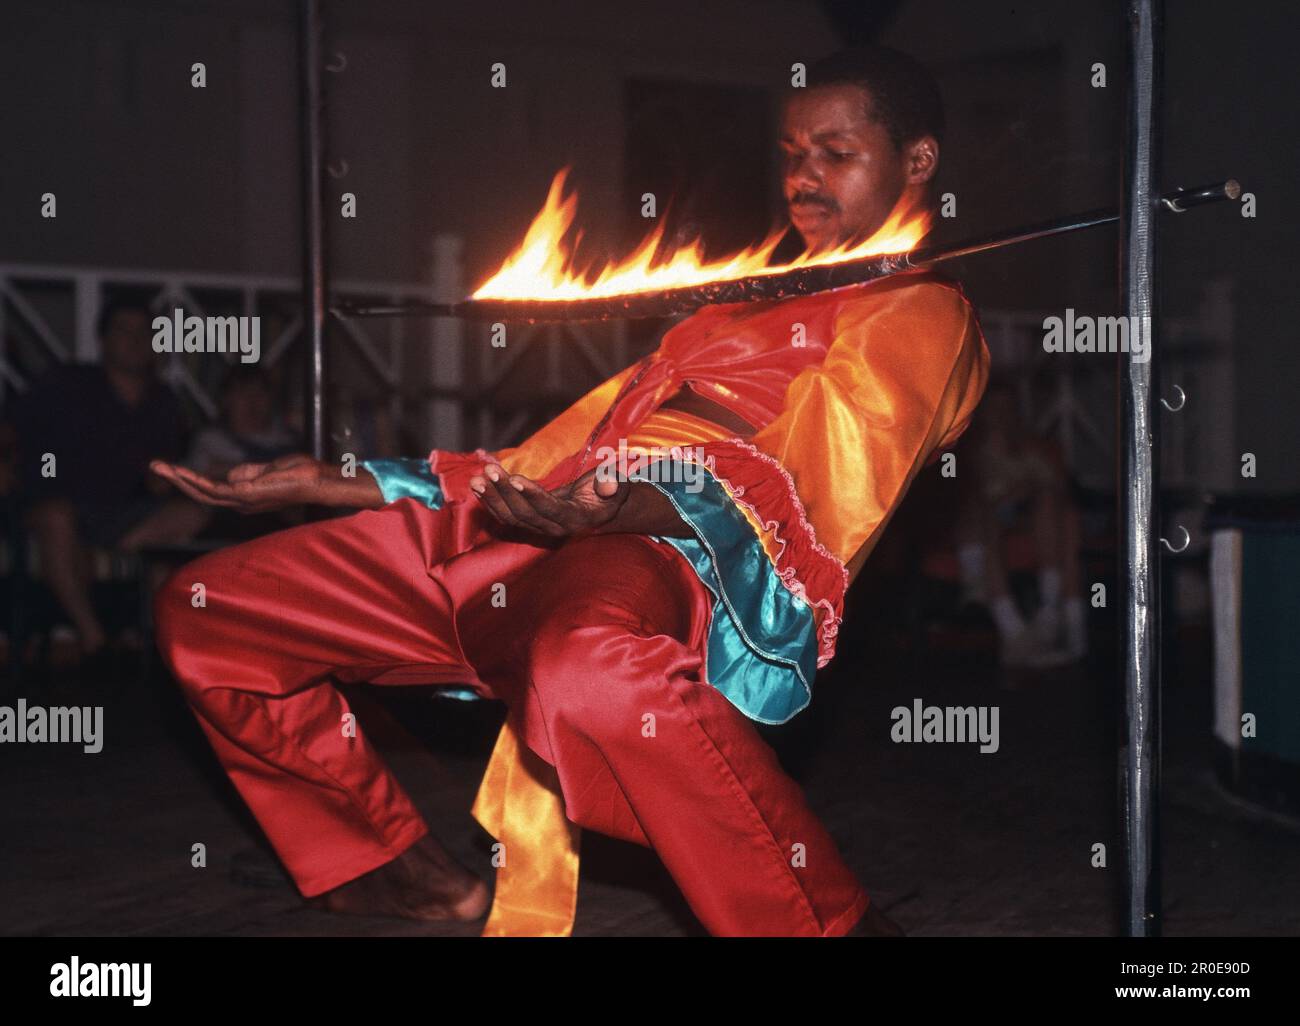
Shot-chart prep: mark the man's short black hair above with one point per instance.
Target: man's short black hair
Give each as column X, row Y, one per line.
column 116, row 304
column 904, row 95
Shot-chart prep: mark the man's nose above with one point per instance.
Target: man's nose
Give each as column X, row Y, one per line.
column 802, row 176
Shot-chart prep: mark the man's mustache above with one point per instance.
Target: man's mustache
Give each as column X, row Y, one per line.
column 801, row 199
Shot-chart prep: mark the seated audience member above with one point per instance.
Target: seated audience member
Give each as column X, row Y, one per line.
column 1015, row 480
column 85, row 436
column 250, row 430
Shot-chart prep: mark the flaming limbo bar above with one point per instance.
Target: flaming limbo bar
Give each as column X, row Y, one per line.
column 801, row 281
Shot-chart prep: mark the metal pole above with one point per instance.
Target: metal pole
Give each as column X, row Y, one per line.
column 1138, row 484
column 313, row 256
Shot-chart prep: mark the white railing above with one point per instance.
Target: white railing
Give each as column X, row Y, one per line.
column 79, row 293
column 432, row 405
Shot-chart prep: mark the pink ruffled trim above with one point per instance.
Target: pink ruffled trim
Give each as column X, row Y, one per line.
column 789, row 575
column 804, row 522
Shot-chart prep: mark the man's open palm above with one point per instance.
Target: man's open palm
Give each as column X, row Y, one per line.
column 250, row 487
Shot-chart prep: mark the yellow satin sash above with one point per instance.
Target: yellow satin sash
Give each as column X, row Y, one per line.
column 519, row 800
column 536, row 855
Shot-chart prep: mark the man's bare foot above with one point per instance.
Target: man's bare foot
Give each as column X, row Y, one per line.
column 875, row 923
column 424, row 882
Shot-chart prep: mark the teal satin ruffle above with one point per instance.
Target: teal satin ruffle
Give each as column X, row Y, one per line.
column 460, row 694
column 762, row 650
column 406, row 478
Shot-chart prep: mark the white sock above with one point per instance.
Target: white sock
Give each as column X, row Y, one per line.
column 1007, row 617
column 1076, row 627
column 1049, row 586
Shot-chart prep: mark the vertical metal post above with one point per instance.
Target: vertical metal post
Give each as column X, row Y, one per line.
column 313, row 255
column 1138, row 484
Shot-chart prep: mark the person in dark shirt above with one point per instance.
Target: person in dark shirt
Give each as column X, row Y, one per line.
column 85, row 436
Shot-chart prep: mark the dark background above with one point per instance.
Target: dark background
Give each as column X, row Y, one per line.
column 676, row 98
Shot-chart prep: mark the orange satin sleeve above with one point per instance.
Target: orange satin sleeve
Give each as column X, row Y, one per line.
column 902, row 376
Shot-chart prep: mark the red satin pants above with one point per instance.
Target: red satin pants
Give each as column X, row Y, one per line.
column 590, row 636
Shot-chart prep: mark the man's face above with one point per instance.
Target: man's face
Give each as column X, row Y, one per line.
column 128, row 341
column 842, row 174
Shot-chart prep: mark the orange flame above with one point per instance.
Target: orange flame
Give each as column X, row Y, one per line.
column 542, row 267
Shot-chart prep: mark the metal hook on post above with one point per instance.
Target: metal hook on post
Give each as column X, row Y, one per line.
column 342, row 62
column 1187, row 540
column 1182, row 400
column 1180, row 200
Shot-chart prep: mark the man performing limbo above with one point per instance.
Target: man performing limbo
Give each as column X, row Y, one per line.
column 634, row 624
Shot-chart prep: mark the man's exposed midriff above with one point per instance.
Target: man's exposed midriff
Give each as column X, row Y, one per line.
column 689, row 401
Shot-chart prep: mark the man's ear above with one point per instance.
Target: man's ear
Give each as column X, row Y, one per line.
column 922, row 156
